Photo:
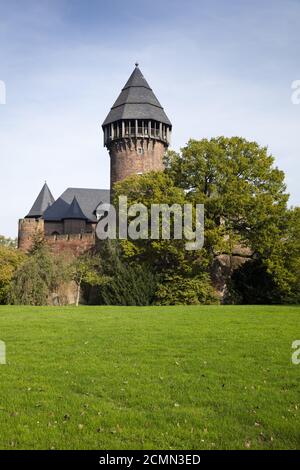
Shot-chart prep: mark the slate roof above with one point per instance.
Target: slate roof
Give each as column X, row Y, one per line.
column 74, row 211
column 137, row 101
column 87, row 199
column 42, row 202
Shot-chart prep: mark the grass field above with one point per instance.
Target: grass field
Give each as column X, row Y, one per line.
column 211, row 377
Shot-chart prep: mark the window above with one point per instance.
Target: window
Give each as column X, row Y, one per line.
column 140, row 151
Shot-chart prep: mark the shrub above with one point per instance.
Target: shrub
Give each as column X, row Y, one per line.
column 177, row 290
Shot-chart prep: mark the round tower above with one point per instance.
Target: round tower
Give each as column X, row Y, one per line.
column 28, row 228
column 136, row 131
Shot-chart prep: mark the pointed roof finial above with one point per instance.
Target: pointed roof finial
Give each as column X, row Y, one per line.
column 136, row 64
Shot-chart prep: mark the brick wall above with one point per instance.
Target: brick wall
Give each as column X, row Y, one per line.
column 74, row 244
column 27, row 229
column 132, row 156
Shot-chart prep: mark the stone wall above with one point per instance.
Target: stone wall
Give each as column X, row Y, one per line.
column 224, row 265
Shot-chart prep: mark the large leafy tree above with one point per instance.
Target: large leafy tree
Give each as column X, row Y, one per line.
column 245, row 206
column 243, row 192
column 182, row 274
column 164, row 256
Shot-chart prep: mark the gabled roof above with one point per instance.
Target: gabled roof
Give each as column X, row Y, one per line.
column 74, row 211
column 87, row 199
column 137, row 101
column 42, row 202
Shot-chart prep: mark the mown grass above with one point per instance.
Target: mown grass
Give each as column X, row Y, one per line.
column 207, row 377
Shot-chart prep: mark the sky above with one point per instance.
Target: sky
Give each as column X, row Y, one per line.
column 217, row 67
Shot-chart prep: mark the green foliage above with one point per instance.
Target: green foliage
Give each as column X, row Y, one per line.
column 36, row 277
column 245, row 206
column 86, row 269
column 126, row 284
column 283, row 260
column 177, row 290
column 152, row 188
column 243, row 193
column 165, row 258
column 274, row 277
column 10, row 260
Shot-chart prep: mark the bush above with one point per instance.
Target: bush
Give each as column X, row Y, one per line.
column 178, row 290
column 37, row 277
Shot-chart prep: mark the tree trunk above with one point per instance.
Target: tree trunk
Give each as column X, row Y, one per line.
column 78, row 293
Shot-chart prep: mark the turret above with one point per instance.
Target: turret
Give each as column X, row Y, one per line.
column 33, row 222
column 136, row 131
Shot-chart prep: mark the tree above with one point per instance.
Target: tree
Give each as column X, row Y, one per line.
column 243, row 193
column 10, row 260
column 35, row 279
column 86, row 269
column 168, row 260
column 161, row 254
column 283, row 260
column 245, row 201
column 127, row 283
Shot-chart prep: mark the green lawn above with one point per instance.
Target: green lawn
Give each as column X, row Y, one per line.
column 211, row 377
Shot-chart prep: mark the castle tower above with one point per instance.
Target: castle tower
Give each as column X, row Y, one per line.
column 136, row 130
column 33, row 222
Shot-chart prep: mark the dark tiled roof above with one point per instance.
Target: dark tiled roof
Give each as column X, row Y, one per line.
column 74, row 211
column 137, row 101
column 87, row 199
column 42, row 202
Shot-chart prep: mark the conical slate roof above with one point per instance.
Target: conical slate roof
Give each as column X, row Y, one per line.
column 42, row 202
column 137, row 101
column 74, row 211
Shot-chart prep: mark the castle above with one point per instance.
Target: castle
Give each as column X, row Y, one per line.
column 136, row 133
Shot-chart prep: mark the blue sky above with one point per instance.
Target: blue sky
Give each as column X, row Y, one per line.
column 218, row 68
